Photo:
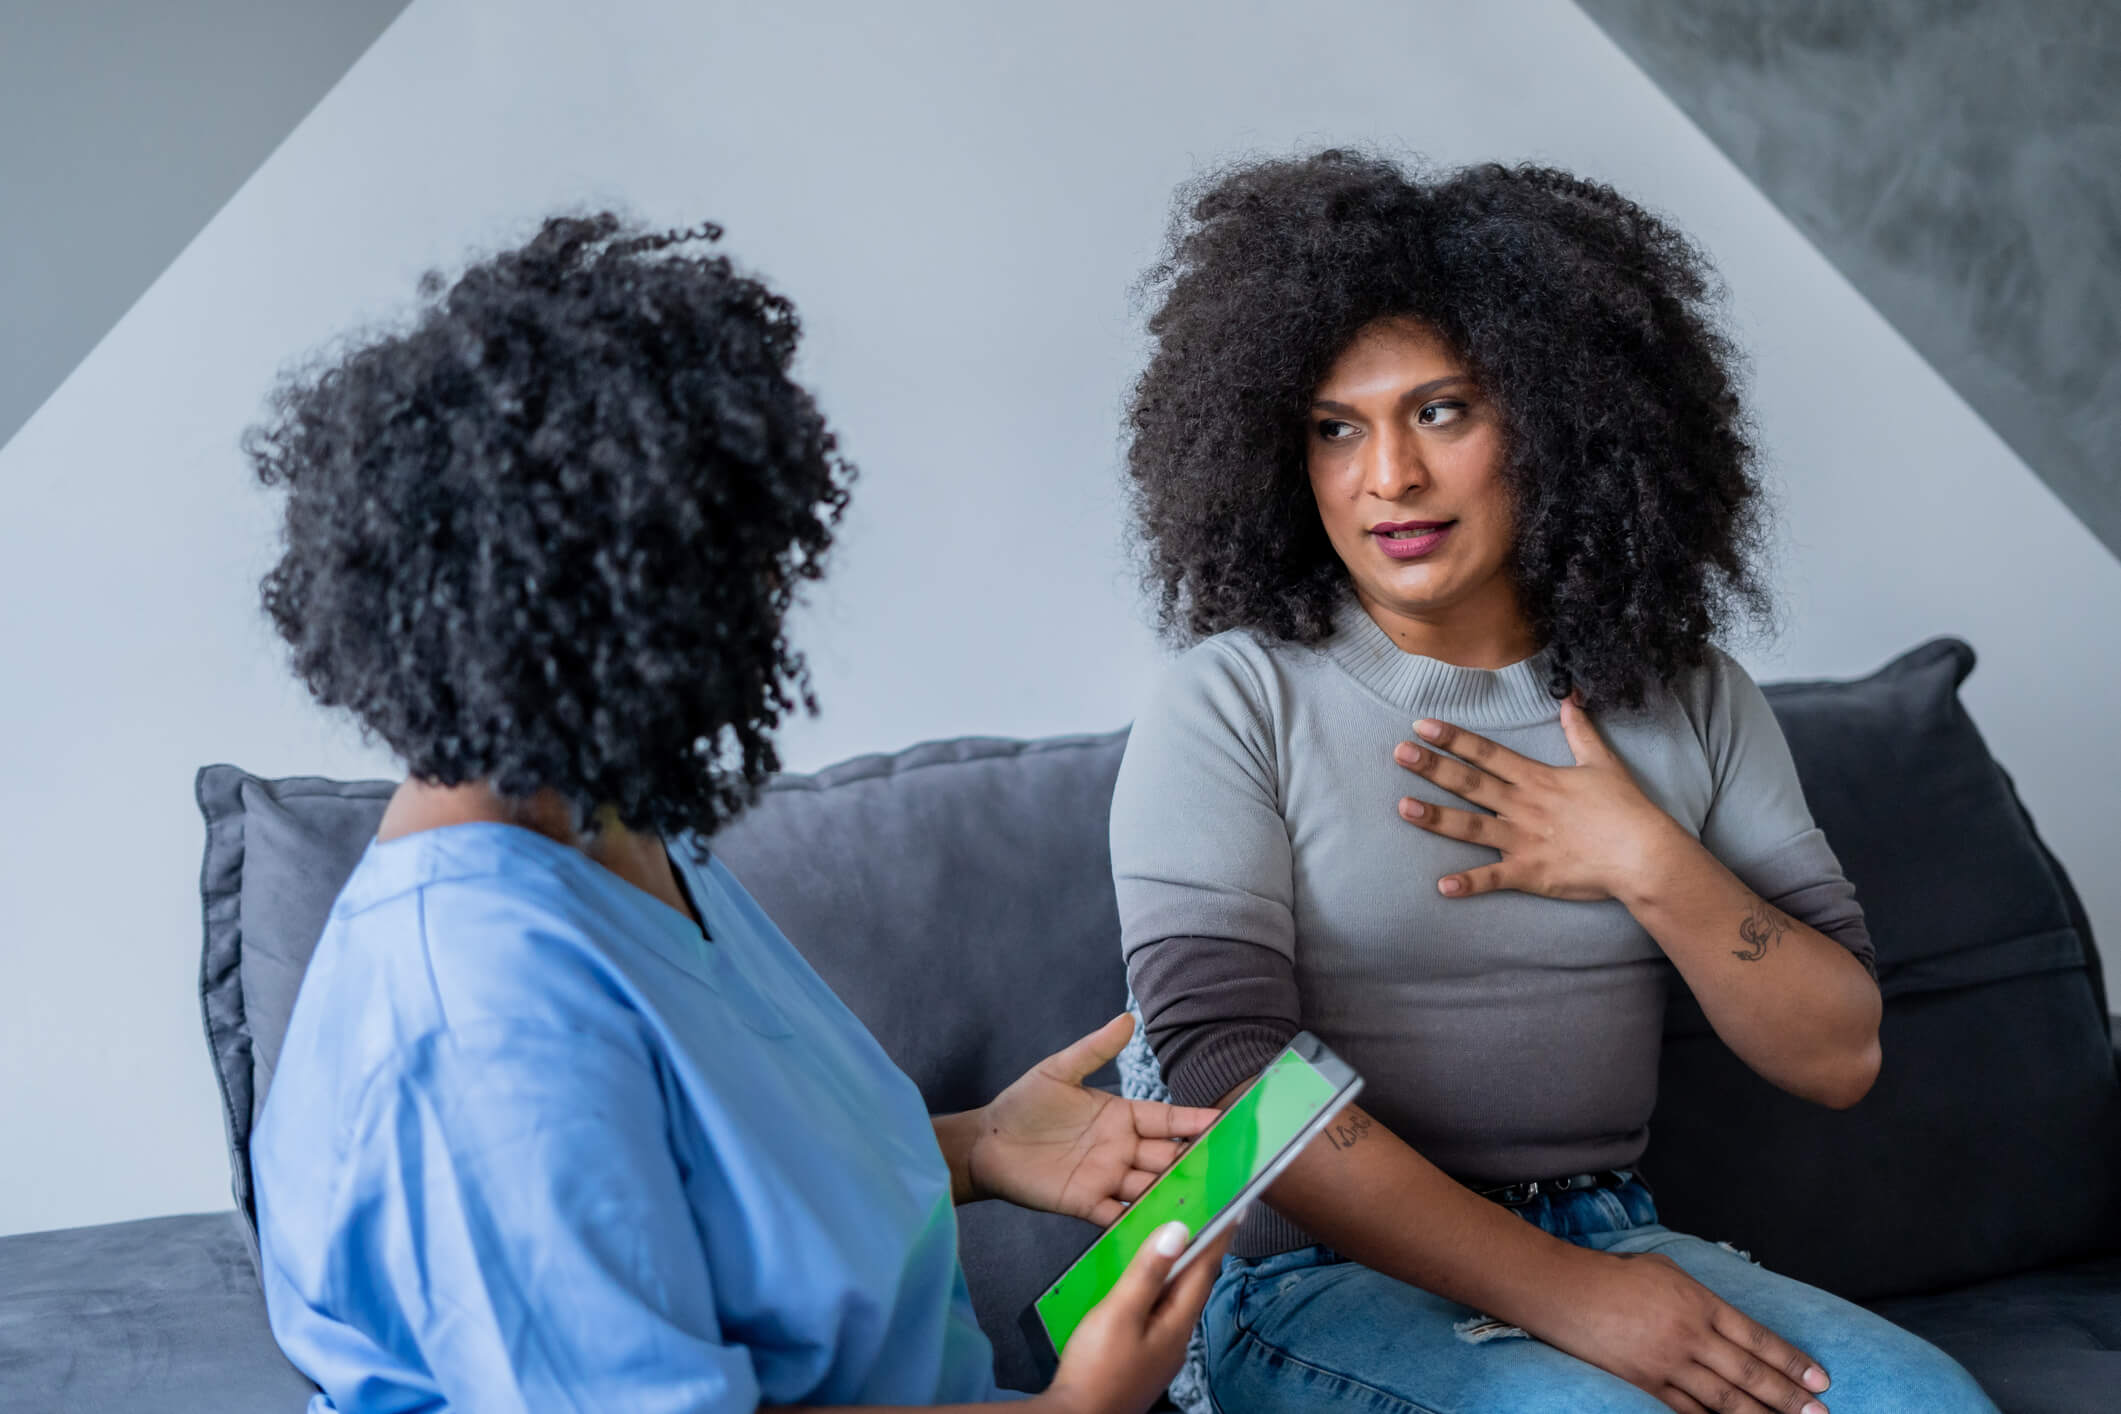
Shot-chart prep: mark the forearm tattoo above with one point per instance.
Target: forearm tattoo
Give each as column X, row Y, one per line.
column 1759, row 928
column 1347, row 1133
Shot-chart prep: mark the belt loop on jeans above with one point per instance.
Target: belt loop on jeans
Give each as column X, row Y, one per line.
column 1516, row 1195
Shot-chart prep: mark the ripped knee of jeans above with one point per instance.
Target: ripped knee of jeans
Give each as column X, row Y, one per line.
column 1479, row 1330
column 1736, row 1251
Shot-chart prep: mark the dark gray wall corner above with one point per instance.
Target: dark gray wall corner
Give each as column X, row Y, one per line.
column 127, row 124
column 1960, row 162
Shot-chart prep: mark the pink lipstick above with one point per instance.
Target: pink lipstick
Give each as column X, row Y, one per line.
column 1410, row 539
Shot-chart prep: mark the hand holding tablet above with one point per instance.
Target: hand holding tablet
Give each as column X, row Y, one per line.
column 1295, row 1097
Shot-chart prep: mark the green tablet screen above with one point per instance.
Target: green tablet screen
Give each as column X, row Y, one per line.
column 1207, row 1178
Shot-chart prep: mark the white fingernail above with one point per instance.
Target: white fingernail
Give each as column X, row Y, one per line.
column 1171, row 1239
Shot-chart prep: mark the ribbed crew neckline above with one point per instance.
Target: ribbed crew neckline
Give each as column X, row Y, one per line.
column 1513, row 696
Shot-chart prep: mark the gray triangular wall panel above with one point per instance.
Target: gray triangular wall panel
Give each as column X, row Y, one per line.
column 1960, row 162
column 129, row 124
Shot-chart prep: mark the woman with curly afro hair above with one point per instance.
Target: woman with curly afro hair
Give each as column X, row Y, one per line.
column 561, row 1120
column 1447, row 481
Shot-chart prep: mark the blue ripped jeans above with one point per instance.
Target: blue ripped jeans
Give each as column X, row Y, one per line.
column 1310, row 1330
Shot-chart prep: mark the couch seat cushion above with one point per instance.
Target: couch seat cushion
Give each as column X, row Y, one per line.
column 2045, row 1342
column 162, row 1314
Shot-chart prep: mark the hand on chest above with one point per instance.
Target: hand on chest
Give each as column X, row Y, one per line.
column 1365, row 878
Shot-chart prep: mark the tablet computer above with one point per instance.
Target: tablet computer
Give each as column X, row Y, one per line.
column 1290, row 1103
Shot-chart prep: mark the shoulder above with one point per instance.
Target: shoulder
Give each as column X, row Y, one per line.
column 449, row 969
column 1217, row 691
column 1208, row 725
column 1708, row 686
column 1759, row 795
column 471, row 927
column 1237, row 674
column 1722, row 703
column 1235, row 656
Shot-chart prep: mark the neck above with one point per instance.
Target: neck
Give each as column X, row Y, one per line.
column 640, row 859
column 1485, row 631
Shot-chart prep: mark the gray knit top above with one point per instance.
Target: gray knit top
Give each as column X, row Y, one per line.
column 1267, row 884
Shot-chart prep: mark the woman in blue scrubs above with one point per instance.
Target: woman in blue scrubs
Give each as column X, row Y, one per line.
column 562, row 1121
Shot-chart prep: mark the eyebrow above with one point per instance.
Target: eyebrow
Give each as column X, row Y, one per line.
column 1419, row 390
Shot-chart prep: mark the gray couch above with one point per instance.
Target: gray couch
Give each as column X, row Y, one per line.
column 957, row 895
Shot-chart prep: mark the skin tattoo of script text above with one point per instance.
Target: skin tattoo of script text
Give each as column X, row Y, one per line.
column 1347, row 1133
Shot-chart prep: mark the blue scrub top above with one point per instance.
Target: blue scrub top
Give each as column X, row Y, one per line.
column 535, row 1143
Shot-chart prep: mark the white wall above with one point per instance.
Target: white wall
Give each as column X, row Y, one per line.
column 958, row 195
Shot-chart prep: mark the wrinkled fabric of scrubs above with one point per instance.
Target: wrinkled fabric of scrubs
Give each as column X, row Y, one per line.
column 535, row 1143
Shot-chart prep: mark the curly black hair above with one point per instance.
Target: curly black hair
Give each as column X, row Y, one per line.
column 1591, row 323
column 545, row 536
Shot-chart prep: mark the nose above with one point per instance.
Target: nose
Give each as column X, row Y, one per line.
column 1393, row 467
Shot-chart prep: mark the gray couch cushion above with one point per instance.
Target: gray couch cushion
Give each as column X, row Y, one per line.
column 2046, row 1342
column 163, row 1315
column 277, row 853
column 1992, row 1141
column 957, row 895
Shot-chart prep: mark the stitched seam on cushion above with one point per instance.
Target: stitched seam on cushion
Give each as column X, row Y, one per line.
column 1344, row 1378
column 232, row 900
column 890, row 767
column 1922, row 655
column 336, row 790
column 1905, row 978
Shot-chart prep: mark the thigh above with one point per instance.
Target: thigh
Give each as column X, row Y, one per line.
column 1341, row 1336
column 1876, row 1367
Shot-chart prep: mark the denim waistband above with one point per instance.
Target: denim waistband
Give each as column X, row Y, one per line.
column 1591, row 1211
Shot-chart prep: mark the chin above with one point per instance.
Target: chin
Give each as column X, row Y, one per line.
column 1419, row 579
column 1417, row 596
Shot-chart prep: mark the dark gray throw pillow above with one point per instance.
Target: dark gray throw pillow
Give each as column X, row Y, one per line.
column 277, row 853
column 1992, row 1140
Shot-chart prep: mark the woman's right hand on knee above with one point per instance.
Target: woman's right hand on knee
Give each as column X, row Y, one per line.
column 1132, row 1343
column 1641, row 1317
